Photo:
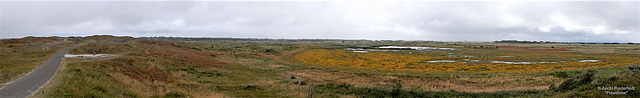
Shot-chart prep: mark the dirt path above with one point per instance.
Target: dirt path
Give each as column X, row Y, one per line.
column 288, row 55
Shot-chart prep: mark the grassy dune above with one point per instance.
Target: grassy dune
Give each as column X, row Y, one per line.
column 145, row 68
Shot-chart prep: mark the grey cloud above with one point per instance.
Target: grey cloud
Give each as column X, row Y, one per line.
column 410, row 20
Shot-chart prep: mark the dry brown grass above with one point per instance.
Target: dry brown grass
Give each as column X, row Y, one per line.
column 493, row 84
column 150, row 88
column 149, row 78
column 535, row 49
column 146, row 68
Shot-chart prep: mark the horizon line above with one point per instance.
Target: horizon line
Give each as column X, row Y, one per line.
column 2, row 38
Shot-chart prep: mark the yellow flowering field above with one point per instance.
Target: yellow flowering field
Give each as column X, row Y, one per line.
column 418, row 61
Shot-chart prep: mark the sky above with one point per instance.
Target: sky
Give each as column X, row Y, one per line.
column 584, row 21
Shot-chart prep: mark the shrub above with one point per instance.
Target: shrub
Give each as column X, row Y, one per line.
column 272, row 51
column 561, row 74
column 576, row 82
column 398, row 92
column 175, row 95
column 251, row 87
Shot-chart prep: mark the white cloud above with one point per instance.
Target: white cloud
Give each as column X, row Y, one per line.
column 546, row 28
column 568, row 24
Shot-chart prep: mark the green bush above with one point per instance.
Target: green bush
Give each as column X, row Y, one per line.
column 272, row 51
column 561, row 74
column 576, row 82
column 252, row 87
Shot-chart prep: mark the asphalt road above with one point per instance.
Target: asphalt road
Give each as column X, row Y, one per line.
column 32, row 82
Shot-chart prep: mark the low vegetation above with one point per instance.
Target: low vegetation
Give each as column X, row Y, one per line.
column 418, row 61
column 323, row 68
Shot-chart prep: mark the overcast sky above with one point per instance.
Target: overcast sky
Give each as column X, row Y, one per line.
column 405, row 20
